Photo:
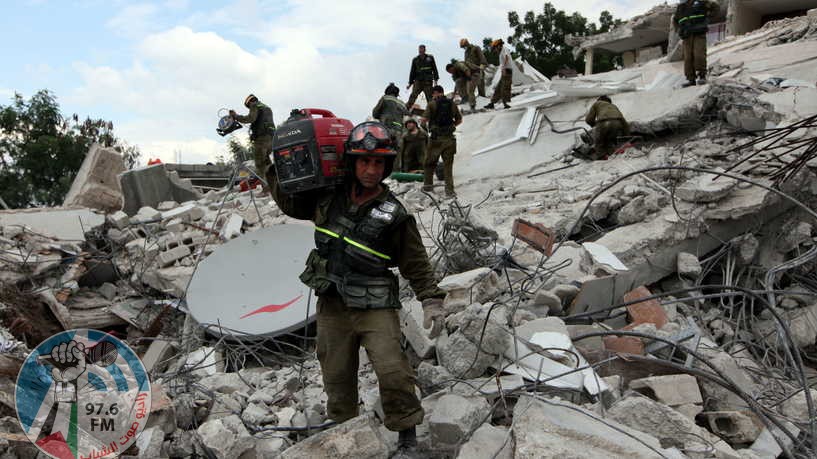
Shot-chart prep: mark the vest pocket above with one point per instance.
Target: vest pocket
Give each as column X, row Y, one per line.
column 315, row 274
column 370, row 292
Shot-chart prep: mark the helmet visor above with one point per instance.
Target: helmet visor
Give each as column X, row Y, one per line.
column 376, row 130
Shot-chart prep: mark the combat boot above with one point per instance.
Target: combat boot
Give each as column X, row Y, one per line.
column 701, row 79
column 406, row 444
column 504, row 105
column 688, row 83
column 490, row 106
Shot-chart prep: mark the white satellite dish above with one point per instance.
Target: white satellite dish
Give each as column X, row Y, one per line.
column 249, row 286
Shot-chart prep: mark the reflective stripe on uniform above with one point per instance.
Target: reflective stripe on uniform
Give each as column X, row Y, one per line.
column 697, row 16
column 352, row 242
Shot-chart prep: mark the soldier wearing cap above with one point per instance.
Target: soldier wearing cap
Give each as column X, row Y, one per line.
column 362, row 231
column 262, row 127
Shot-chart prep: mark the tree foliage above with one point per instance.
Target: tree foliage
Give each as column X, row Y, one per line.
column 41, row 151
column 539, row 38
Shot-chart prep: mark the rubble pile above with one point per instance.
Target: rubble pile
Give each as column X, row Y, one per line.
column 661, row 303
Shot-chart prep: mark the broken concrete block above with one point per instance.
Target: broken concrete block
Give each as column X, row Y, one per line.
column 454, row 417
column 717, row 397
column 107, row 290
column 166, row 205
column 431, row 378
column 150, row 442
column 704, row 189
column 734, row 426
column 411, row 319
column 456, row 353
column 688, row 265
column 475, row 286
column 548, row 300
column 172, row 281
column 488, row 387
column 225, row 383
column 227, row 438
column 802, row 324
column 488, row 442
column 146, row 214
column 148, row 186
column 545, row 324
column 634, row 211
column 259, row 415
column 796, row 407
column 156, row 356
column 358, row 437
column 745, row 247
column 671, row 390
column 188, row 212
column 168, row 257
column 96, row 184
column 565, row 292
column 232, row 227
column 689, row 410
column 118, row 219
column 270, row 446
column 551, row 427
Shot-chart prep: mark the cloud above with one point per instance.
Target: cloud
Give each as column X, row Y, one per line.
column 319, row 53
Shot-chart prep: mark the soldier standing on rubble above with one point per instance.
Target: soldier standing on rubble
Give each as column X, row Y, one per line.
column 475, row 60
column 361, row 231
column 422, row 76
column 262, row 127
column 443, row 117
column 692, row 21
column 462, row 77
column 608, row 124
column 390, row 111
column 503, row 88
column 413, row 151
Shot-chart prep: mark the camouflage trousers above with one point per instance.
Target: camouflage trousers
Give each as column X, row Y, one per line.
column 341, row 332
column 445, row 147
column 261, row 150
column 502, row 91
column 419, row 87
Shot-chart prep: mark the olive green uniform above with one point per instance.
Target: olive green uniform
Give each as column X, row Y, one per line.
column 422, row 76
column 692, row 22
column 390, row 111
column 413, row 152
column 475, row 59
column 463, row 86
column 442, row 144
column 342, row 328
column 261, row 140
column 608, row 124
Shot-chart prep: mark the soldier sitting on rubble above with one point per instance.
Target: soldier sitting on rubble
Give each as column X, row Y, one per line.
column 608, row 125
column 362, row 231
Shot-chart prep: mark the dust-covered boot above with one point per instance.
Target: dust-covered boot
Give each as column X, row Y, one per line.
column 406, row 444
column 701, row 79
column 490, row 106
column 688, row 83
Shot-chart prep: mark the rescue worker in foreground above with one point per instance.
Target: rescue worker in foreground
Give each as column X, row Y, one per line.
column 692, row 21
column 503, row 88
column 262, row 127
column 422, row 76
column 475, row 60
column 443, row 117
column 362, row 230
column 461, row 75
column 390, row 111
column 608, row 125
column 413, row 151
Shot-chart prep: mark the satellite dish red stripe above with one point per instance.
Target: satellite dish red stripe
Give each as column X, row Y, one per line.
column 271, row 307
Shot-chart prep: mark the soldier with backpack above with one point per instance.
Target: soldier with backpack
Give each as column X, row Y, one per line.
column 443, row 117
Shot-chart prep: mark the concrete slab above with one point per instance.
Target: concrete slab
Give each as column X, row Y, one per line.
column 64, row 224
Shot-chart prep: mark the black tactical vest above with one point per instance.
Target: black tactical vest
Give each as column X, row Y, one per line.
column 263, row 124
column 692, row 19
column 352, row 252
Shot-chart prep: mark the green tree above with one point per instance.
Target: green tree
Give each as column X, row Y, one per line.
column 41, row 151
column 238, row 152
column 539, row 38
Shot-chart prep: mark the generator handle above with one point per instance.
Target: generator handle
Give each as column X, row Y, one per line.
column 318, row 111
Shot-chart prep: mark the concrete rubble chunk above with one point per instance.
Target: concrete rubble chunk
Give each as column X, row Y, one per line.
column 488, row 442
column 457, row 353
column 796, row 407
column 688, row 265
column 118, row 219
column 232, row 227
column 704, row 189
column 671, row 390
column 107, row 290
column 549, row 301
column 188, row 212
column 454, row 417
column 431, row 377
column 148, row 186
column 734, row 426
column 96, row 184
column 411, row 321
column 478, row 285
column 634, row 211
column 356, row 438
column 227, row 437
column 62, row 224
column 150, row 442
column 555, row 428
column 146, row 214
column 172, row 281
column 168, row 257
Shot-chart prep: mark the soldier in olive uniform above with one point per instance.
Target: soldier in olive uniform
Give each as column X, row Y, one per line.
column 422, row 76
column 462, row 77
column 608, row 125
column 262, row 127
column 361, row 231
column 413, row 151
column 475, row 60
column 692, row 21
column 443, row 117
column 390, row 111
column 502, row 91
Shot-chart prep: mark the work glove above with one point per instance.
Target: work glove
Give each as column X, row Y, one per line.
column 433, row 316
column 232, row 113
column 408, row 86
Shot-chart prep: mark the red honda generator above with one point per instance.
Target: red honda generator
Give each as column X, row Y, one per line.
column 308, row 150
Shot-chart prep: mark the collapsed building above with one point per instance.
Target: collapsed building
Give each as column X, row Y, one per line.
column 661, row 303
